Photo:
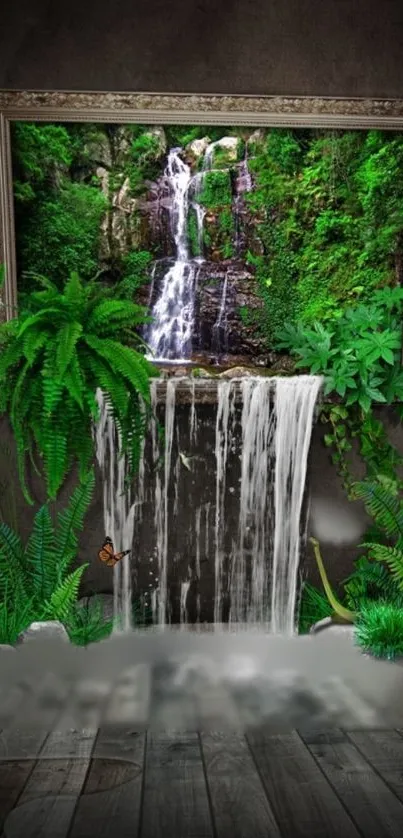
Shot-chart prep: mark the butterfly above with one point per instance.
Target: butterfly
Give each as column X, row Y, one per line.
column 107, row 553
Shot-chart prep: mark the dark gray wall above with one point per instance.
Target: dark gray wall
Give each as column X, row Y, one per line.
column 323, row 482
column 296, row 47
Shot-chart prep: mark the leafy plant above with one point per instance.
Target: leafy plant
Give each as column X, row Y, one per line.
column 36, row 582
column 387, row 511
column 358, row 354
column 60, row 350
column 369, row 581
column 17, row 612
column 379, row 629
column 87, row 624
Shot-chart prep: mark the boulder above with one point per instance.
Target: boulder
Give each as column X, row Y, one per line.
column 46, row 630
column 197, row 148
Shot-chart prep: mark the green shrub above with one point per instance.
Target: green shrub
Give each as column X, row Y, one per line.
column 379, row 629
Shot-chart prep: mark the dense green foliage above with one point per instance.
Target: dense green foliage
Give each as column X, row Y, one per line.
column 48, row 198
column 55, row 356
column 330, row 219
column 36, row 582
column 59, row 191
column 358, row 351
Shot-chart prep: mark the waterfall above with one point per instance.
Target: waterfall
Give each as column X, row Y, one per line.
column 254, row 442
column 295, row 405
column 119, row 510
column 170, row 334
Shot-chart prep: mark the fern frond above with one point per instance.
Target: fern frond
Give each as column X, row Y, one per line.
column 71, row 520
column 393, row 558
column 52, row 393
column 33, row 341
column 55, row 458
column 64, row 596
column 109, row 383
column 53, row 314
column 384, row 507
column 40, row 555
column 67, row 338
column 129, row 363
column 12, row 569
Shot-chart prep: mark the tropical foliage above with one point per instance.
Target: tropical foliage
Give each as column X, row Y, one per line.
column 36, row 580
column 358, row 351
column 55, row 355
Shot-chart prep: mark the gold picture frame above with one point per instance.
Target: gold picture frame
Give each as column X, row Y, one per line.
column 167, row 108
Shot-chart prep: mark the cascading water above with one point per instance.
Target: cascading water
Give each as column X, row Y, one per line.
column 119, row 510
column 170, row 334
column 255, row 441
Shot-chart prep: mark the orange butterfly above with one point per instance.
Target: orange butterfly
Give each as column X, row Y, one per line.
column 107, row 553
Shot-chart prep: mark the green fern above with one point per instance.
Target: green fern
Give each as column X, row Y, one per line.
column 64, row 596
column 87, row 624
column 61, row 349
column 383, row 506
column 35, row 579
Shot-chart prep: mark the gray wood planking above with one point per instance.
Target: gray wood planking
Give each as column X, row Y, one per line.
column 374, row 807
column 115, row 780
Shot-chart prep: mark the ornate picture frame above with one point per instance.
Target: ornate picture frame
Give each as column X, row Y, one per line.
column 162, row 108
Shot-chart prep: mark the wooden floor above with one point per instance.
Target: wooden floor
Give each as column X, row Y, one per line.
column 115, row 782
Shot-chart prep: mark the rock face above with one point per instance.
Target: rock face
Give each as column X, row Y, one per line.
column 224, row 293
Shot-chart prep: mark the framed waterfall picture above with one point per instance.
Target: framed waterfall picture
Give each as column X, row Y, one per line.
column 250, row 250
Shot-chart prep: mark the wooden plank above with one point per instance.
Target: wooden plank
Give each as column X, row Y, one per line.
column 48, row 801
column 240, row 806
column 384, row 751
column 304, row 804
column 175, row 798
column 19, row 748
column 111, row 800
column 373, row 806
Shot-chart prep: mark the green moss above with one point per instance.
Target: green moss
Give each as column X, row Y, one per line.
column 216, row 192
column 192, row 232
